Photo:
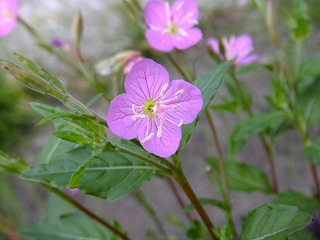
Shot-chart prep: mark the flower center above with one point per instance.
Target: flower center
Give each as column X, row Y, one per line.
column 148, row 108
column 155, row 110
column 9, row 14
column 172, row 29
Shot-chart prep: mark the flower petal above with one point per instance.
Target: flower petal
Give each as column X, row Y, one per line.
column 187, row 38
column 190, row 102
column 185, row 13
column 246, row 60
column 159, row 40
column 8, row 15
column 214, row 44
column 157, row 14
column 119, row 117
column 163, row 146
column 146, row 79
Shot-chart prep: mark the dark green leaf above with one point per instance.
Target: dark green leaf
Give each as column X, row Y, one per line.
column 64, row 222
column 242, row 176
column 198, row 231
column 110, row 175
column 208, row 85
column 304, row 203
column 10, row 165
column 274, row 222
column 73, row 137
column 255, row 124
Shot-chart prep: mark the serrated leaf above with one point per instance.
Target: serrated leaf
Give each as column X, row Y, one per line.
column 62, row 221
column 242, row 176
column 10, row 165
column 274, row 222
column 208, row 85
column 252, row 125
column 304, row 203
column 73, row 137
column 111, row 175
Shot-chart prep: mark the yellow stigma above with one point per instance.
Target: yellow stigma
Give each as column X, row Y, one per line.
column 173, row 29
column 9, row 14
column 148, row 108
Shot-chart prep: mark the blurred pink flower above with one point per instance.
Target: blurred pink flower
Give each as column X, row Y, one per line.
column 130, row 63
column 154, row 108
column 8, row 16
column 237, row 48
column 172, row 27
column 73, row 191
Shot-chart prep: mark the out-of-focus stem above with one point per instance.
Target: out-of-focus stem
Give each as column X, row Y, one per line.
column 86, row 211
column 266, row 146
column 177, row 196
column 138, row 195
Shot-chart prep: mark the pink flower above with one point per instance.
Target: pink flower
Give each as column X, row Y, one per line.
column 8, row 16
column 237, row 48
column 154, row 108
column 172, row 27
column 73, row 191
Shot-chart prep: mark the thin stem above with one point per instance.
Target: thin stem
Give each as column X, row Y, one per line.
column 266, row 146
column 139, row 196
column 176, row 194
column 185, row 186
column 145, row 159
column 224, row 189
column 314, row 172
column 86, row 211
column 183, row 74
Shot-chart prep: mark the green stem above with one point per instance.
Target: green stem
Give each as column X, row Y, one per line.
column 180, row 178
column 138, row 195
column 183, row 74
column 262, row 136
column 86, row 211
column 178, row 197
column 146, row 160
column 224, row 189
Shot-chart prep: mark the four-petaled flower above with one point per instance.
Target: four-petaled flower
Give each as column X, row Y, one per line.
column 154, row 108
column 172, row 27
column 237, row 48
column 8, row 16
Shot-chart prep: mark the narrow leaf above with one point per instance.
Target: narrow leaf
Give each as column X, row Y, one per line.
column 208, row 85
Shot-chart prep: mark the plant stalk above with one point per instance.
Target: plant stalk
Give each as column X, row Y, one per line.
column 86, row 211
column 180, row 178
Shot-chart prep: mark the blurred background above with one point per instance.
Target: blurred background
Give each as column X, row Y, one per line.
column 108, row 29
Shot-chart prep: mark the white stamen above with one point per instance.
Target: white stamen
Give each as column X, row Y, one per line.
column 134, row 109
column 137, row 116
column 164, row 88
column 159, row 132
column 179, row 93
column 147, row 138
column 177, row 124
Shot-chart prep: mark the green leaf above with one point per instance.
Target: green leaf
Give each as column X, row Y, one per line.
column 52, row 148
column 208, row 85
column 274, row 222
column 301, row 235
column 304, row 203
column 111, row 175
column 298, row 20
column 252, row 125
column 10, row 165
column 62, row 221
column 208, row 201
column 311, row 150
column 242, row 176
column 39, row 71
column 198, row 231
column 309, row 100
column 73, row 137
